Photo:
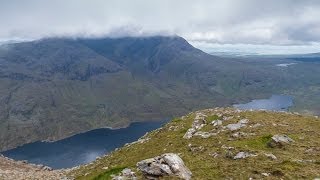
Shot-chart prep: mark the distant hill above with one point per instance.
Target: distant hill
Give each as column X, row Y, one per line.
column 57, row 87
column 314, row 57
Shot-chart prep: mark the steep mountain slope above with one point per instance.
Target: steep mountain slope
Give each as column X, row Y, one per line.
column 221, row 143
column 53, row 88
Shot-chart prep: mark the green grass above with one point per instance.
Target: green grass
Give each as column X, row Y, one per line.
column 212, row 118
column 256, row 143
column 108, row 174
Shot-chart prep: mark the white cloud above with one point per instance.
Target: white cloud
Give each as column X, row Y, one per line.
column 285, row 22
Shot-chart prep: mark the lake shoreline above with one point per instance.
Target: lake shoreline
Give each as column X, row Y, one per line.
column 83, row 147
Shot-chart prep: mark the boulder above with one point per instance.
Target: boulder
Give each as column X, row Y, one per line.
column 280, row 141
column 168, row 164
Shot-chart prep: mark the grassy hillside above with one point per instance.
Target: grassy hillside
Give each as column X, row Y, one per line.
column 211, row 158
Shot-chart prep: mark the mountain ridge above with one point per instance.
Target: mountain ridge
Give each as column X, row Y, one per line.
column 54, row 88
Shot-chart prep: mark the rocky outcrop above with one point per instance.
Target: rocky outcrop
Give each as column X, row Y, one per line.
column 280, row 141
column 198, row 123
column 168, row 164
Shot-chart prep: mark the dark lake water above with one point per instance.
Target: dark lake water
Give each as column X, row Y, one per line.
column 275, row 102
column 81, row 148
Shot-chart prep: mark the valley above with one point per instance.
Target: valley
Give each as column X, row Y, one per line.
column 55, row 88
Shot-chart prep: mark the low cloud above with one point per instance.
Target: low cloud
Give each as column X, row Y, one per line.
column 285, row 22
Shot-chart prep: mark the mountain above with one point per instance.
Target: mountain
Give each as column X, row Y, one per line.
column 219, row 143
column 57, row 87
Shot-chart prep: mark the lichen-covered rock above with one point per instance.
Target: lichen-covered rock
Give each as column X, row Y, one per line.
column 168, row 164
column 280, row 141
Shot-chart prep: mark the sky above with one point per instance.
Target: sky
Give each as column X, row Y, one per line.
column 228, row 24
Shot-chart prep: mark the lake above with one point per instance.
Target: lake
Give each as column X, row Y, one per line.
column 81, row 148
column 275, row 103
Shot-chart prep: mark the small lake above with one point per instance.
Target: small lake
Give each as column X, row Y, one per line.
column 81, row 148
column 275, row 103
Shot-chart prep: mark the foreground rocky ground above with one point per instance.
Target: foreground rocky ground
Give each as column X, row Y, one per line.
column 220, row 143
column 21, row 170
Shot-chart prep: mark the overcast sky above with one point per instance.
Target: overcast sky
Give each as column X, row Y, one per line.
column 258, row 22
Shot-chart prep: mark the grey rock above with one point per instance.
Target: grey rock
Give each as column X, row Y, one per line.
column 271, row 156
column 226, row 118
column 168, row 164
column 237, row 126
column 244, row 121
column 204, row 134
column 214, row 154
column 46, row 168
column 242, row 155
column 189, row 133
column 198, row 123
column 193, row 148
column 216, row 123
column 265, row 174
column 238, row 134
column 234, row 127
column 280, row 141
